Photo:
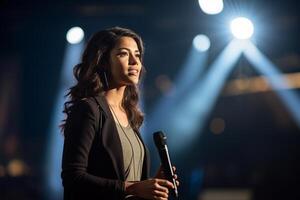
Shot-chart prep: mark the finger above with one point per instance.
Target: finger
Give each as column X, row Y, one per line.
column 175, row 176
column 159, row 198
column 160, row 194
column 174, row 168
column 160, row 188
column 177, row 183
column 162, row 198
column 165, row 183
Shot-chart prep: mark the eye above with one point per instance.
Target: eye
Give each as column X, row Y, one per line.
column 138, row 55
column 123, row 53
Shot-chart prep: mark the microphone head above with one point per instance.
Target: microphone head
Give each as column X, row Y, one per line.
column 159, row 139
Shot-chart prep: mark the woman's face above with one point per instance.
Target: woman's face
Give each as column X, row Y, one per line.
column 125, row 62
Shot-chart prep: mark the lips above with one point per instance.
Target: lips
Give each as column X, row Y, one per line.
column 134, row 72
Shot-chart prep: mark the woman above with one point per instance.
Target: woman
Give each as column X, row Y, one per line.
column 104, row 156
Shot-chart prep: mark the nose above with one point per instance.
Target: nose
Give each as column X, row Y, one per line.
column 133, row 60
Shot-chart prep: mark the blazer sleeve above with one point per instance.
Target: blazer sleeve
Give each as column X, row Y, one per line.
column 79, row 134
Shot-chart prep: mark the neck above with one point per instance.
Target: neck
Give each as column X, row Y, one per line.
column 114, row 96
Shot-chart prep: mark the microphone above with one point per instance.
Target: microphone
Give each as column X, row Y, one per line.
column 161, row 144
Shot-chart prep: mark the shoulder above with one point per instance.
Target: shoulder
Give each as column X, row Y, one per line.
column 97, row 105
column 85, row 105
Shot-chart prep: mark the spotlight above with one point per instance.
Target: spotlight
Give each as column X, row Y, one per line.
column 75, row 35
column 241, row 28
column 211, row 7
column 201, row 43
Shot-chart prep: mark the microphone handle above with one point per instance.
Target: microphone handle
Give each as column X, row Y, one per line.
column 167, row 167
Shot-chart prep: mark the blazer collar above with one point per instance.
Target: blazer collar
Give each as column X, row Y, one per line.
column 110, row 138
column 104, row 105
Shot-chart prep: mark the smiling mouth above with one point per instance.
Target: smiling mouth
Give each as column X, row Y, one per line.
column 133, row 72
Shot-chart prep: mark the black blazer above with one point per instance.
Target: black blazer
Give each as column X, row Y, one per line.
column 92, row 162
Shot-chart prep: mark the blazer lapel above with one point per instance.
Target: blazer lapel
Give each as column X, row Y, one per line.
column 111, row 139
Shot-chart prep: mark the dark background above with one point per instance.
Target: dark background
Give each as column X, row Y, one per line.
column 259, row 148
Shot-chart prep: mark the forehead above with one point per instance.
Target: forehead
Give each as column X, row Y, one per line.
column 127, row 42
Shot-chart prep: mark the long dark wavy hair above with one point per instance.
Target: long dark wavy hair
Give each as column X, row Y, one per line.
column 95, row 60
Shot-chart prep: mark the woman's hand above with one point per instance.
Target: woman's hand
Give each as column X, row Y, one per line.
column 155, row 189
column 160, row 174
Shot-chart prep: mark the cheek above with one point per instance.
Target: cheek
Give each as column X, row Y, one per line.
column 119, row 69
column 121, row 63
column 114, row 71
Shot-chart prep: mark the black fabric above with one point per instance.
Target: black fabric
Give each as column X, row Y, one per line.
column 92, row 163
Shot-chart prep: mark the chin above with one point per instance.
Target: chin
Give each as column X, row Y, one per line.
column 133, row 81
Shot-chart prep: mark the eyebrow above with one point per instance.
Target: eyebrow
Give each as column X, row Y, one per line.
column 128, row 49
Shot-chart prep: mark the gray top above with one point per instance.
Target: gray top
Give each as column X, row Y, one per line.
column 133, row 153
